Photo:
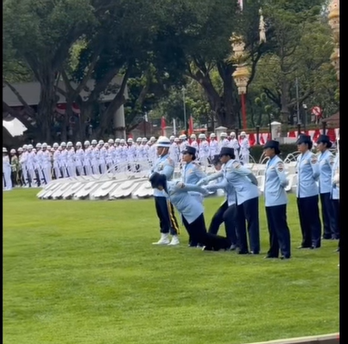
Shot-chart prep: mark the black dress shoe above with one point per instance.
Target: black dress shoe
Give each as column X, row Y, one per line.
column 270, row 257
column 207, row 248
column 284, row 257
column 243, row 252
column 254, row 252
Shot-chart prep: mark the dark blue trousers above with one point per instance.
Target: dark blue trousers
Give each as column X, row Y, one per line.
column 226, row 214
column 308, row 210
column 279, row 233
column 167, row 219
column 328, row 216
column 248, row 211
column 198, row 233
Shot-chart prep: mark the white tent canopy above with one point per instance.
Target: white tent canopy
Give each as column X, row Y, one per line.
column 14, row 127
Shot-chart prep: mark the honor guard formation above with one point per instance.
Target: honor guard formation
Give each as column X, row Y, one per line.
column 317, row 181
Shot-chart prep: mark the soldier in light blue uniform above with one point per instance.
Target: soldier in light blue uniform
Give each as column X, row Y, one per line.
column 326, row 161
column 276, row 201
column 247, row 195
column 164, row 209
column 228, row 209
column 335, row 191
column 190, row 209
column 191, row 174
column 307, row 170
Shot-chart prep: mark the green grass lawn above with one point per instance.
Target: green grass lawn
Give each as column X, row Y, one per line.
column 85, row 272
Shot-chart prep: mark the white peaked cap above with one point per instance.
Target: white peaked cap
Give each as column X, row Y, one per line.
column 164, row 142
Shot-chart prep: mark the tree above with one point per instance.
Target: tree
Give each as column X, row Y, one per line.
column 300, row 47
column 42, row 39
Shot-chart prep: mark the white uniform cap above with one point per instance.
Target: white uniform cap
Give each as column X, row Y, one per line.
column 38, row 145
column 202, row 136
column 212, row 135
column 139, row 139
column 182, row 137
column 144, row 139
column 69, row 144
column 243, row 133
column 106, row 145
column 55, row 145
column 152, row 139
column 30, row 146
column 122, row 141
column 223, row 134
column 78, row 144
column 25, row 146
column 86, row 143
column 111, row 141
column 232, row 133
column 172, row 137
column 163, row 142
column 44, row 145
column 117, row 140
column 12, row 151
column 176, row 139
column 94, row 142
column 49, row 147
column 129, row 140
column 20, row 150
column 193, row 136
column 4, row 149
column 63, row 144
column 101, row 142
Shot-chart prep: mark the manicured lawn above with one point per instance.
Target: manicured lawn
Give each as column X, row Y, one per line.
column 85, row 272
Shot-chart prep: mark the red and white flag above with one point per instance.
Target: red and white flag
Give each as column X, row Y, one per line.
column 317, row 111
column 163, row 125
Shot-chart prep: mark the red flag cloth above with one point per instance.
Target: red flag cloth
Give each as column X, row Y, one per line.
column 316, row 135
column 262, row 140
column 191, row 125
column 292, row 133
column 331, row 134
column 163, row 125
column 252, row 140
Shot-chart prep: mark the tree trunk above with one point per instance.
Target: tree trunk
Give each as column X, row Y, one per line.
column 48, row 100
column 284, row 112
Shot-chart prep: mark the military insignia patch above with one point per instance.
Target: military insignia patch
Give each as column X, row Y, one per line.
column 160, row 167
column 331, row 160
column 280, row 167
column 314, row 159
column 236, row 165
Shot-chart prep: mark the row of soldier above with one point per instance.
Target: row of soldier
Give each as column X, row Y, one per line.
column 36, row 166
column 317, row 179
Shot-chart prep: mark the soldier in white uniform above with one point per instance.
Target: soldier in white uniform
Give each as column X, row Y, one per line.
column 152, row 150
column 234, row 144
column 56, row 161
column 102, row 157
column 70, row 160
column 194, row 142
column 31, row 166
column 244, row 147
column 203, row 151
column 39, row 163
column 79, row 155
column 183, row 144
column 213, row 146
column 23, row 161
column 131, row 155
column 223, row 141
column 95, row 157
column 87, row 158
column 63, row 159
column 6, row 171
column 46, row 163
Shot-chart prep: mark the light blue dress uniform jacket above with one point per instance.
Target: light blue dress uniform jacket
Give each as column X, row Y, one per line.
column 326, row 161
column 240, row 178
column 163, row 165
column 335, row 191
column 186, row 204
column 191, row 174
column 307, row 169
column 222, row 183
column 275, row 182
